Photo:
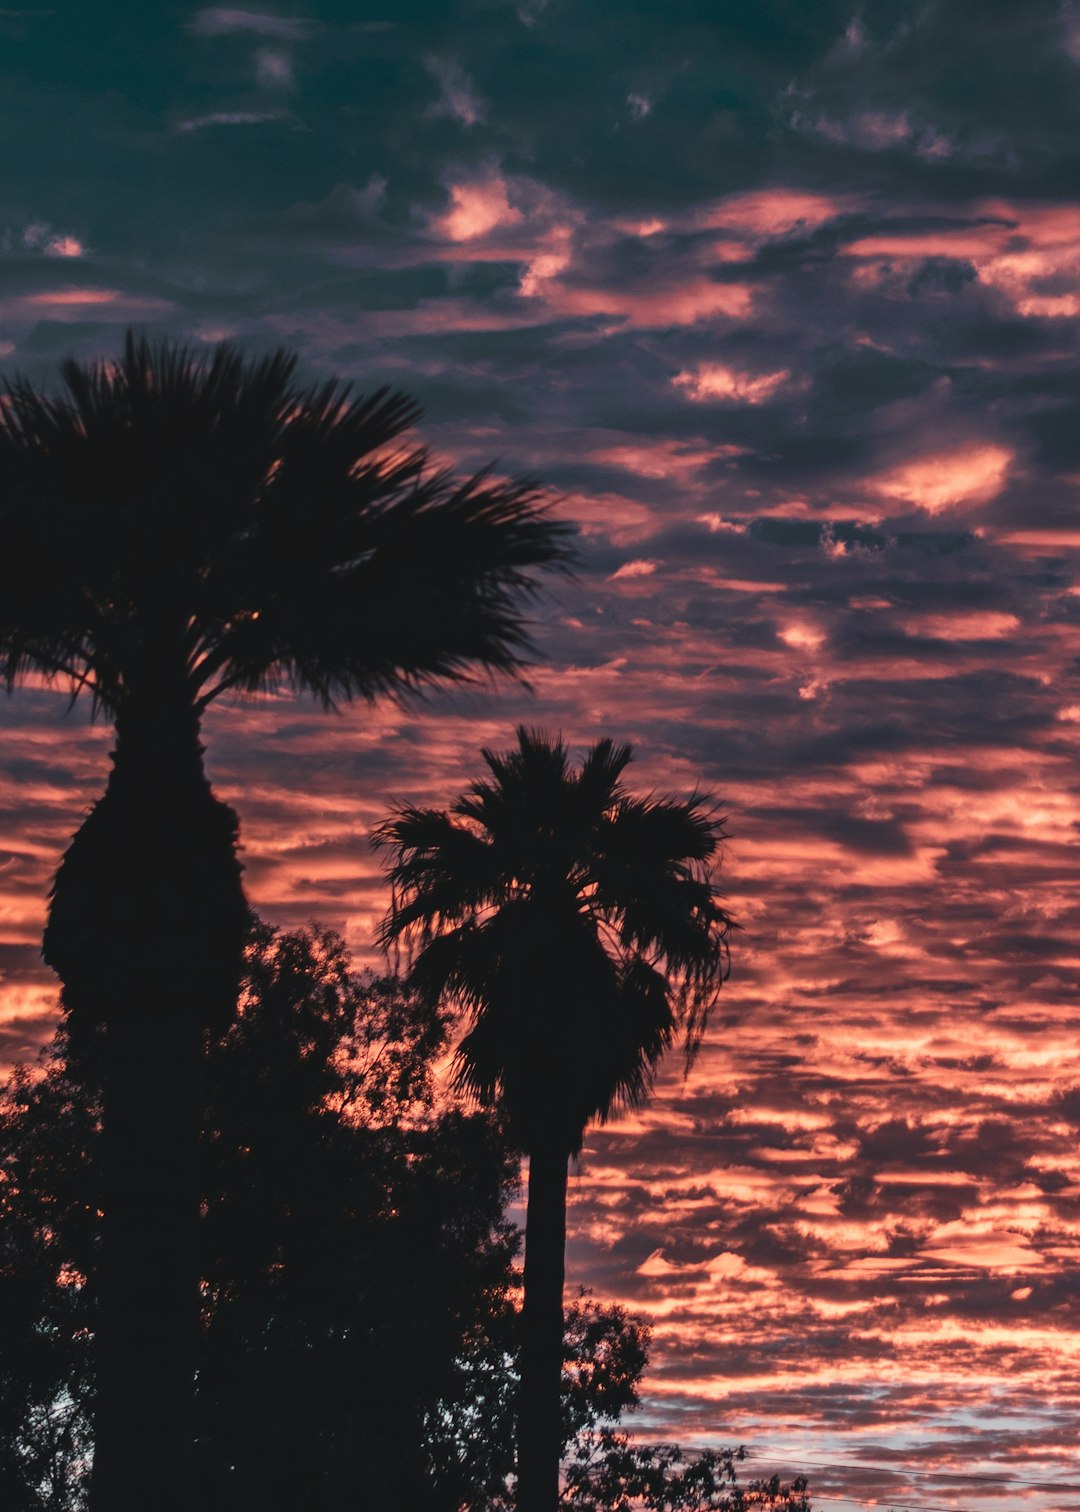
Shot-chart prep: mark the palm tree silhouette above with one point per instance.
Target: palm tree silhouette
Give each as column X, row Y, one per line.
column 577, row 927
column 178, row 526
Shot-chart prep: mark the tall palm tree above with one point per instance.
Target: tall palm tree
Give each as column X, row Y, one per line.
column 178, row 525
column 578, row 928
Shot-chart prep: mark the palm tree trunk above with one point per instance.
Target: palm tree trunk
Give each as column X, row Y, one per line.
column 540, row 1393
column 148, row 1301
column 146, row 931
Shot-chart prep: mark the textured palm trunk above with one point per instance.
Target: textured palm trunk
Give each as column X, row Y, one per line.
column 146, row 931
column 540, row 1393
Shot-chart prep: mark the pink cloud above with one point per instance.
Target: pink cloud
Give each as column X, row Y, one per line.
column 983, row 624
column 774, row 212
column 76, row 297
column 611, row 516
column 64, row 246
column 1049, row 306
column 636, row 569
column 802, row 636
column 716, row 522
column 67, row 304
column 663, row 458
column 683, row 302
column 40, row 237
column 964, row 476
column 711, row 380
column 496, row 217
column 1041, row 540
column 1024, row 254
column 476, row 209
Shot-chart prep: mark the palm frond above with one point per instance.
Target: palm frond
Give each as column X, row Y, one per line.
column 575, row 927
column 445, row 873
column 202, row 509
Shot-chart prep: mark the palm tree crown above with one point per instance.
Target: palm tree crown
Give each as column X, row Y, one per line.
column 576, row 924
column 177, row 524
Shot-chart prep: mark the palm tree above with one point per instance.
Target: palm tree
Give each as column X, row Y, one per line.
column 578, row 928
column 176, row 526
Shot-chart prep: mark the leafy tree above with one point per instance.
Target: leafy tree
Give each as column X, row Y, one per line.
column 356, row 1240
column 177, row 526
column 607, row 1471
column 578, row 928
column 44, row 1356
column 359, row 1338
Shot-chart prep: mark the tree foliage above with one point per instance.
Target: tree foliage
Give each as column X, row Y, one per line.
column 609, row 1473
column 359, row 1319
column 360, row 1334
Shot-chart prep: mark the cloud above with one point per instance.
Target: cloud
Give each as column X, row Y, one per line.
column 801, row 636
column 342, row 212
column 457, row 99
column 530, row 11
column 273, row 68
column 873, row 130
column 82, row 303
column 879, row 131
column 635, row 569
column 221, row 21
column 228, row 118
column 477, row 207
column 40, row 237
column 1028, row 254
column 985, row 624
column 64, row 246
column 1070, row 21
column 714, row 381
column 776, row 211
column 964, row 476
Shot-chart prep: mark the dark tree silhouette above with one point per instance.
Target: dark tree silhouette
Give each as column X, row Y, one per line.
column 358, row 1339
column 577, row 926
column 607, row 1471
column 176, row 526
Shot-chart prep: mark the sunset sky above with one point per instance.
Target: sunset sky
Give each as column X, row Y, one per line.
column 782, row 300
